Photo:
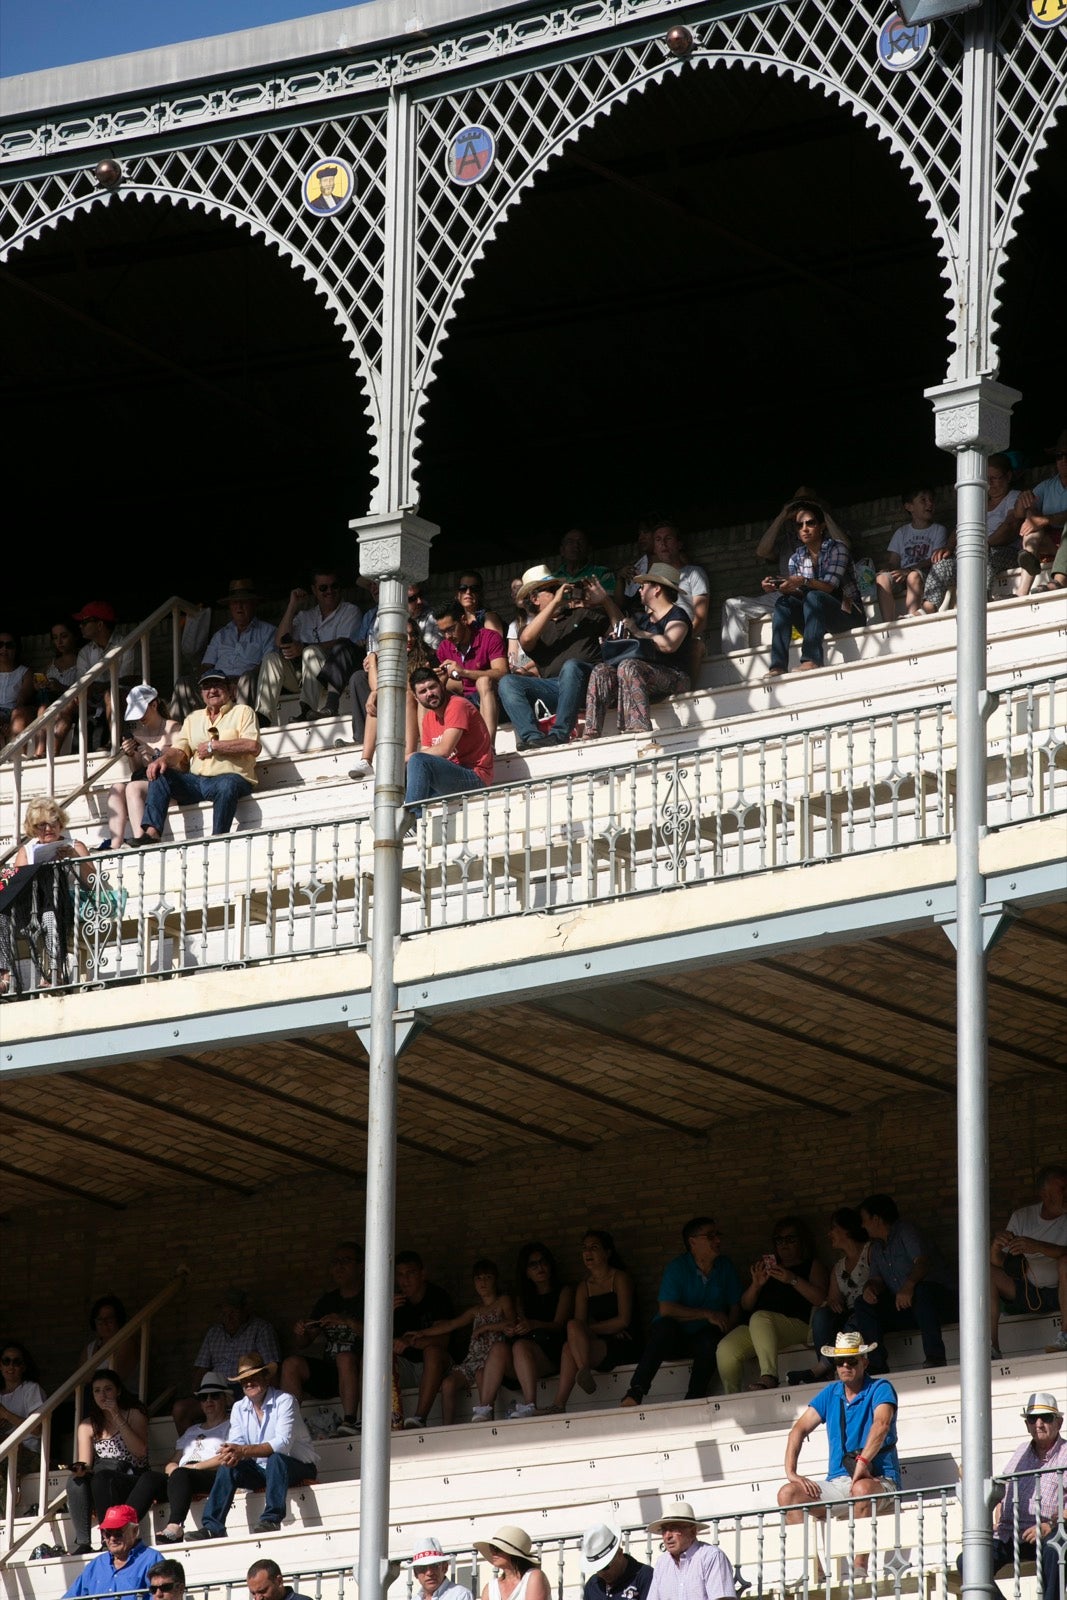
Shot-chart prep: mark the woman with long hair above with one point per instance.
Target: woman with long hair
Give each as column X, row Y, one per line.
column 517, row 1571
column 601, row 1333
column 112, row 1456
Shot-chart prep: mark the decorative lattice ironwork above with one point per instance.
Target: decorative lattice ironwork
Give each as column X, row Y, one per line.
column 256, row 182
column 533, row 115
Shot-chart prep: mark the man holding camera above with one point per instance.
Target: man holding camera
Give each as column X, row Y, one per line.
column 562, row 639
column 860, row 1413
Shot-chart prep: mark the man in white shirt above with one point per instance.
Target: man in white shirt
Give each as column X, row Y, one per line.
column 688, row 1568
column 429, row 1567
column 305, row 639
column 1030, row 1254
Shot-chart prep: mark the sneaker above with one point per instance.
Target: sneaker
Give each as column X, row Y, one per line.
column 481, row 1414
column 264, row 1525
column 414, row 1421
column 1058, row 1345
column 360, row 771
column 171, row 1536
column 204, row 1533
column 585, row 1381
column 522, row 1410
column 346, row 1430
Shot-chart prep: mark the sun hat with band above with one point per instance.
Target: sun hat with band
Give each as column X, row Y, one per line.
column 659, row 572
column 1042, row 1405
column 681, row 1511
column 539, row 577
column 212, row 1383
column 117, row 1517
column 251, row 1364
column 848, row 1344
column 512, row 1541
column 428, row 1552
column 600, row 1546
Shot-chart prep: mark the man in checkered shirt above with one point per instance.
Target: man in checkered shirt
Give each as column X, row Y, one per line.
column 236, row 1331
column 1032, row 1511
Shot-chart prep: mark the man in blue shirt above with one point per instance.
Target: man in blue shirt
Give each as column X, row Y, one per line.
column 123, row 1566
column 269, row 1448
column 699, row 1301
column 908, row 1286
column 860, row 1413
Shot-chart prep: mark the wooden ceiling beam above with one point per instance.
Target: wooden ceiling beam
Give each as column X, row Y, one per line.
column 794, row 1035
column 296, row 1102
column 101, row 1143
column 313, row 1047
column 60, row 1187
column 995, row 980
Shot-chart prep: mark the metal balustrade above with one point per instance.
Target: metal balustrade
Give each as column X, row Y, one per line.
column 846, row 787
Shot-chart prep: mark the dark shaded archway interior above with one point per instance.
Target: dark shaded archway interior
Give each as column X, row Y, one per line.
column 725, row 288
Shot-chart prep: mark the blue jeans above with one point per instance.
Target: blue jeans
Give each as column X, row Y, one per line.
column 932, row 1304
column 815, row 614
column 564, row 695
column 187, row 789
column 432, row 775
column 275, row 1473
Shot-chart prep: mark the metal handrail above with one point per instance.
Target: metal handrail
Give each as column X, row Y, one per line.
column 14, row 752
column 139, row 1322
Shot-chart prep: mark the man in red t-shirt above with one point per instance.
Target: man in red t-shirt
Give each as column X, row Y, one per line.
column 456, row 752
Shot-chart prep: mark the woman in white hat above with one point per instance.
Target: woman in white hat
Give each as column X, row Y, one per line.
column 149, row 731
column 517, row 1571
column 661, row 628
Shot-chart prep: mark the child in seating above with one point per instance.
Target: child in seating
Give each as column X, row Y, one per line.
column 488, row 1321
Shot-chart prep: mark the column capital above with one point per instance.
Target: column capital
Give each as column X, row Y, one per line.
column 973, row 415
column 394, row 544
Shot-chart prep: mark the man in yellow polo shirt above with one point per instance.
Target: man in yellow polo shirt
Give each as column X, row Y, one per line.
column 212, row 758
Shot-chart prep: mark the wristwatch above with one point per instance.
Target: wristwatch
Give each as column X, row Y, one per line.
column 211, row 747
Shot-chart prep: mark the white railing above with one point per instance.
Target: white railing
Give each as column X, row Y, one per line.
column 848, row 787
column 41, row 1421
column 106, row 674
column 314, row 1583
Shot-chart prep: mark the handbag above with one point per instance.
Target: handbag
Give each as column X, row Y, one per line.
column 615, row 650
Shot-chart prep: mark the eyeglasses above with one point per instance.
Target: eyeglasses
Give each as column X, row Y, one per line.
column 846, row 1361
column 253, row 1382
column 11, row 1361
column 116, row 1533
column 786, row 1238
column 51, row 827
column 446, row 633
column 469, row 588
column 212, row 733
column 807, row 522
column 162, row 1588
column 326, row 588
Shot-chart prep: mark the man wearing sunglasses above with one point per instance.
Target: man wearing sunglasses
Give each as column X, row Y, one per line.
column 213, row 757
column 123, row 1565
column 308, row 639
column 166, row 1580
column 1030, row 1515
column 860, row 1413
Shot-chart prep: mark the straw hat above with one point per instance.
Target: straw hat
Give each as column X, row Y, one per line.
column 512, row 1541
column 539, row 577
column 250, row 1364
column 680, row 1511
column 600, row 1546
column 848, row 1344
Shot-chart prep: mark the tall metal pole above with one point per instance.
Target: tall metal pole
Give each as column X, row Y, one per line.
column 394, row 547
column 972, row 419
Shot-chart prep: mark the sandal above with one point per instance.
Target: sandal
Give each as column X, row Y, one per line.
column 765, row 1381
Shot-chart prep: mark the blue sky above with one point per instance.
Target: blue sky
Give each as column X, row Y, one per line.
column 52, row 33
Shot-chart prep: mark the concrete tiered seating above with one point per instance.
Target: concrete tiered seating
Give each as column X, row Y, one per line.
column 556, row 1474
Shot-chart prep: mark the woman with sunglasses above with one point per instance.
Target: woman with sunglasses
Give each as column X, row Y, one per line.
column 112, row 1458
column 20, row 1395
column 632, row 682
column 36, row 906
column 785, row 1286
column 470, row 596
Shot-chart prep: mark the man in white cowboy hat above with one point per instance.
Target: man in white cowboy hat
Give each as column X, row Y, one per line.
column 562, row 639
column 1032, row 1508
column 860, row 1413
column 268, row 1447
column 429, row 1566
column 611, row 1572
column 237, row 649
column 689, row 1569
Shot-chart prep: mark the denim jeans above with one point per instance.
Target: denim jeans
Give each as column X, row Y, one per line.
column 932, row 1304
column 564, row 695
column 187, row 789
column 430, row 775
column 274, row 1473
column 815, row 614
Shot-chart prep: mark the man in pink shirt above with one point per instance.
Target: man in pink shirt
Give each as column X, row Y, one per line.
column 456, row 752
column 473, row 661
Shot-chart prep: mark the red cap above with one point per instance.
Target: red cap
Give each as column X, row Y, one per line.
column 118, row 1517
column 100, row 609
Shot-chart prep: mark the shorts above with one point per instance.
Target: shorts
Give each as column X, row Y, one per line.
column 322, row 1381
column 838, row 1491
column 410, row 1372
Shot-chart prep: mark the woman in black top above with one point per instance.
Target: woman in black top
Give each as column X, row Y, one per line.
column 545, row 1307
column 785, row 1288
column 600, row 1332
column 661, row 629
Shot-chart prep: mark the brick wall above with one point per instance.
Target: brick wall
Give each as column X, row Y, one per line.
column 56, row 1259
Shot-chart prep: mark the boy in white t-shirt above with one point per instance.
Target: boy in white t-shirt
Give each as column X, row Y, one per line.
column 909, row 555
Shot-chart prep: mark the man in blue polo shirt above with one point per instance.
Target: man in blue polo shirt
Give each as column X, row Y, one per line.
column 699, row 1301
column 123, row 1566
column 860, row 1413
